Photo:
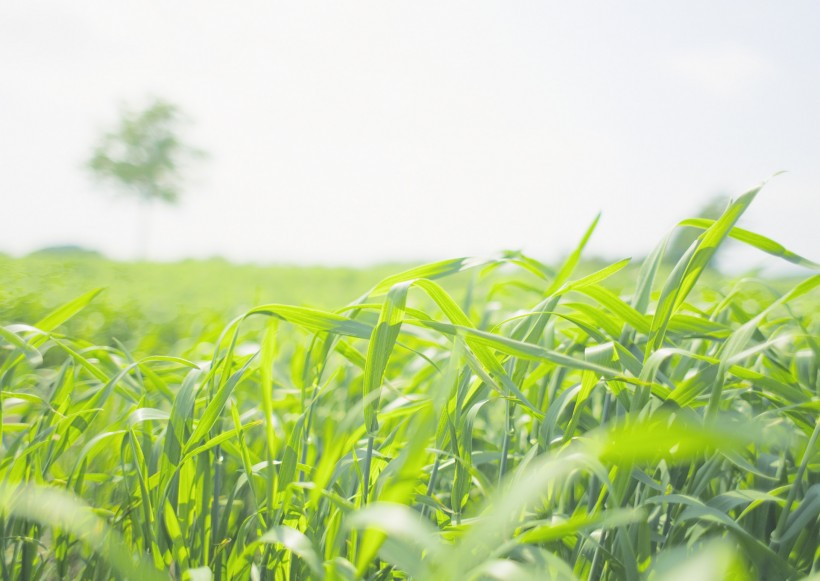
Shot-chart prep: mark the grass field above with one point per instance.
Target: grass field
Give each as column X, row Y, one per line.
column 495, row 419
column 164, row 308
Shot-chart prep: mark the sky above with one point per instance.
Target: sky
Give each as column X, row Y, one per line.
column 368, row 131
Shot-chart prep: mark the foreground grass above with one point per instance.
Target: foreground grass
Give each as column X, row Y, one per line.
column 538, row 426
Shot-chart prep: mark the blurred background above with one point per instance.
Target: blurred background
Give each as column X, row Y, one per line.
column 364, row 132
column 368, row 133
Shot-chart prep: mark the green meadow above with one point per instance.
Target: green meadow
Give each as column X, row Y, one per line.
column 168, row 308
column 490, row 419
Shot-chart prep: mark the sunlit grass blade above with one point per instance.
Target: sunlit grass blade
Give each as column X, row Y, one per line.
column 756, row 240
column 58, row 509
column 691, row 266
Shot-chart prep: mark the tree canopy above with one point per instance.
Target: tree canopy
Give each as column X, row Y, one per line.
column 144, row 156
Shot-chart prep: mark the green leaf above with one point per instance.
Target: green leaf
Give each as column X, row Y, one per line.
column 59, row 316
column 758, row 241
column 690, row 267
column 298, row 544
column 59, row 509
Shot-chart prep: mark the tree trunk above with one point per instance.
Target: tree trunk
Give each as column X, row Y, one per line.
column 144, row 230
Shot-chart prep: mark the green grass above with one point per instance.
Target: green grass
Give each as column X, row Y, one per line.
column 164, row 307
column 495, row 419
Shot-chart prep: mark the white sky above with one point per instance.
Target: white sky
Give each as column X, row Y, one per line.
column 356, row 132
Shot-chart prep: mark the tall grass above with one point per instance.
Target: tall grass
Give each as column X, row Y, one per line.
column 588, row 433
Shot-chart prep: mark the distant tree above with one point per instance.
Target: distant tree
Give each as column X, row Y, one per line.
column 144, row 157
column 683, row 237
column 67, row 250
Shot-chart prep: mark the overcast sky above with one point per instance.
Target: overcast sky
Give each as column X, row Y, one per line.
column 357, row 132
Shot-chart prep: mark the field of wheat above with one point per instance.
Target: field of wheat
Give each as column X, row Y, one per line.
column 633, row 422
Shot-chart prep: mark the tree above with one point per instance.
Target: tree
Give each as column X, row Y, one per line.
column 144, row 158
column 683, row 238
